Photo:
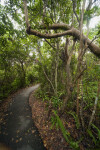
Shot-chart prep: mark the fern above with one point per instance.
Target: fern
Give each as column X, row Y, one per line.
column 66, row 134
column 76, row 119
column 91, row 135
column 98, row 130
column 54, row 122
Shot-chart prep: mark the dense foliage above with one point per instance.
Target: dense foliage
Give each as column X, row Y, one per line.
column 16, row 63
column 68, row 72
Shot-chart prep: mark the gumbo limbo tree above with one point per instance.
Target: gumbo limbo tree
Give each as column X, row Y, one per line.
column 53, row 22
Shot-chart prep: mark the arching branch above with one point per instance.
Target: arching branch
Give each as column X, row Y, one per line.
column 67, row 31
column 48, row 36
column 70, row 31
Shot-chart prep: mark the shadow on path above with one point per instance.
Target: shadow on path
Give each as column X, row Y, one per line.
column 18, row 131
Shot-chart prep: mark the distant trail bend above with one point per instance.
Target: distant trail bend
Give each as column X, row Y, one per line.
column 18, row 130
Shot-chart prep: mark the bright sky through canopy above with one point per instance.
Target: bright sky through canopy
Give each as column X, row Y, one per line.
column 94, row 21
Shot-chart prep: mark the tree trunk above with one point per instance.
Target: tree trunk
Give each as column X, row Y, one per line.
column 95, row 105
column 41, row 57
column 69, row 84
column 69, row 31
column 56, row 67
column 80, row 56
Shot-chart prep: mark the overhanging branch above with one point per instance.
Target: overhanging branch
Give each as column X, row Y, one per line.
column 68, row 31
column 48, row 36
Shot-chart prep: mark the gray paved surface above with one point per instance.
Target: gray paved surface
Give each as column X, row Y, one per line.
column 18, row 131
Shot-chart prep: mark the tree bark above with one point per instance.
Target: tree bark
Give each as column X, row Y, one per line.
column 80, row 57
column 69, row 84
column 26, row 13
column 56, row 68
column 95, row 105
column 70, row 31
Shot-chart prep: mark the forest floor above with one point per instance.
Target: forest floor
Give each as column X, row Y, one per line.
column 50, row 131
column 52, row 137
column 17, row 129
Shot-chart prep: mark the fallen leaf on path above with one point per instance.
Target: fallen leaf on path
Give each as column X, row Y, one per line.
column 17, row 131
column 17, row 141
column 33, row 131
column 20, row 139
column 28, row 116
column 12, row 139
column 45, row 144
column 4, row 123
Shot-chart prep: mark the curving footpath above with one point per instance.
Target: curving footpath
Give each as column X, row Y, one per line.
column 18, row 131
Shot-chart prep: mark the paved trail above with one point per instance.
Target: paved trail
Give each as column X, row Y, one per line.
column 18, row 131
